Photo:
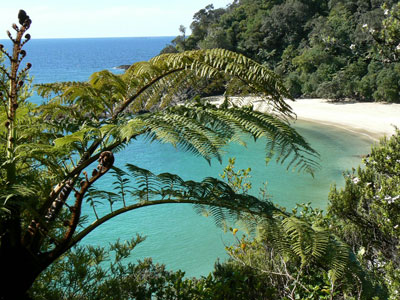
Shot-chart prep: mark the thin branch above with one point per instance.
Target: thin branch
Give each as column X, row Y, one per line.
column 5, row 72
column 74, row 173
column 6, row 53
column 106, row 161
column 122, row 210
column 140, row 91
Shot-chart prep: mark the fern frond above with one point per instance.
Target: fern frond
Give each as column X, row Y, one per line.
column 210, row 195
column 155, row 87
column 205, row 129
column 297, row 239
column 185, row 133
column 281, row 138
column 209, row 63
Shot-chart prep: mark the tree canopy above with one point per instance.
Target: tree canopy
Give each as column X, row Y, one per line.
column 332, row 49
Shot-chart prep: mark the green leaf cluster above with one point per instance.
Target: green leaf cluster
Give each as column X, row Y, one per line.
column 329, row 49
column 366, row 211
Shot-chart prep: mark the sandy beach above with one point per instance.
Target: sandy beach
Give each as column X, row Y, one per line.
column 371, row 119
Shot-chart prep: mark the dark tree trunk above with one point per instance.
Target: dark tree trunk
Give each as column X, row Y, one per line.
column 19, row 270
column 19, row 267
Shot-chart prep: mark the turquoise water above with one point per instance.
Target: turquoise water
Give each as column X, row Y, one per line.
column 180, row 238
column 177, row 236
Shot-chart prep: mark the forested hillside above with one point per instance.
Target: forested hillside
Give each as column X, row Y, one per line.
column 336, row 49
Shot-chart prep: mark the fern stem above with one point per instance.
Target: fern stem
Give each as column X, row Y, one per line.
column 141, row 90
column 122, row 210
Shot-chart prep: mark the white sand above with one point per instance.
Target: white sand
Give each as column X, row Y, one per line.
column 371, row 119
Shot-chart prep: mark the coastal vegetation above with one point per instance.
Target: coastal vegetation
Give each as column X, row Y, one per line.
column 49, row 171
column 349, row 252
column 331, row 49
column 49, row 151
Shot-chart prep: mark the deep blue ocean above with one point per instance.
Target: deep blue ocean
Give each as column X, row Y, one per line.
column 176, row 235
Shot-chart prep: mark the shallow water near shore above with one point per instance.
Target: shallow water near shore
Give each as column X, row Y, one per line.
column 181, row 239
column 176, row 235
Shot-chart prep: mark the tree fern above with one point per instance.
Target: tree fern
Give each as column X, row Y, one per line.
column 295, row 239
column 204, row 130
column 154, row 85
column 209, row 196
column 51, row 148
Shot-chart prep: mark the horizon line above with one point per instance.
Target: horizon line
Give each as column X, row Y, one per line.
column 96, row 37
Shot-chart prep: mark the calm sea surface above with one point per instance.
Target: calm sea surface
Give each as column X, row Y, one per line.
column 176, row 235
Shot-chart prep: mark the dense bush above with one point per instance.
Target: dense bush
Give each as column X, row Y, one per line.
column 366, row 213
column 99, row 273
column 322, row 48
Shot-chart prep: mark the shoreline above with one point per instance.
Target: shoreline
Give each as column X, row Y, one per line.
column 371, row 119
column 373, row 136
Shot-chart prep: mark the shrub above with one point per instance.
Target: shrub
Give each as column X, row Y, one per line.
column 366, row 212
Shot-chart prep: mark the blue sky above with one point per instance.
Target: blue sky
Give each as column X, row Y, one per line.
column 103, row 18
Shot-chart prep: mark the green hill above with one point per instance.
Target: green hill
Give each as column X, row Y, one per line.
column 333, row 49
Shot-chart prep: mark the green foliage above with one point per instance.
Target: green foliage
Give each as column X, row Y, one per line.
column 99, row 273
column 388, row 37
column 296, row 255
column 82, row 272
column 238, row 181
column 322, row 48
column 366, row 212
column 388, row 84
column 302, row 260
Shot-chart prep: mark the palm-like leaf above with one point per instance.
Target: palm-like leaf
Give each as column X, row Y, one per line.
column 154, row 86
column 205, row 129
column 296, row 239
column 209, row 196
column 152, row 78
